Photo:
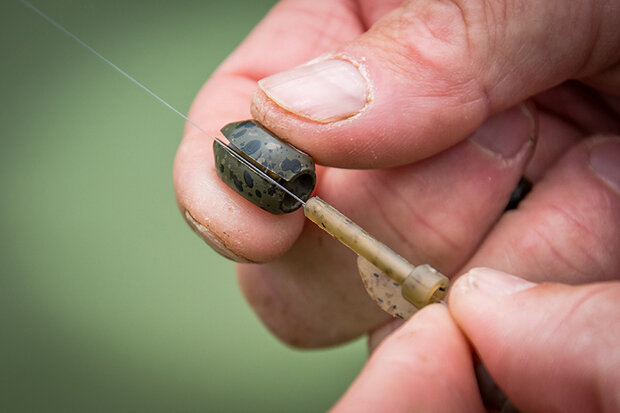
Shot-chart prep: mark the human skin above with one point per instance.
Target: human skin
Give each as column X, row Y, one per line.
column 422, row 103
column 550, row 348
column 431, row 181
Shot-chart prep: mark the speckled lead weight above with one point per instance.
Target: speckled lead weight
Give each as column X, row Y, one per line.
column 287, row 165
column 421, row 285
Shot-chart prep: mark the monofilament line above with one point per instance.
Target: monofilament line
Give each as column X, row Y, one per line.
column 150, row 92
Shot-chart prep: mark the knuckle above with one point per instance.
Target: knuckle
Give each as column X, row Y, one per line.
column 425, row 32
column 437, row 43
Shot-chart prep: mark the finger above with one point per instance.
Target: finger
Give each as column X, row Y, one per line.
column 590, row 112
column 567, row 114
column 436, row 211
column 425, row 365
column 428, row 73
column 376, row 336
column 550, row 347
column 567, row 228
column 292, row 32
column 555, row 137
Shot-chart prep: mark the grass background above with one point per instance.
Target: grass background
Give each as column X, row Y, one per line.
column 108, row 302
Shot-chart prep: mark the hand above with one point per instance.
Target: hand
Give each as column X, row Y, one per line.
column 422, row 99
column 550, row 347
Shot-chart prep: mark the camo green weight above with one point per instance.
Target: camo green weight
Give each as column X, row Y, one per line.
column 287, row 165
column 419, row 285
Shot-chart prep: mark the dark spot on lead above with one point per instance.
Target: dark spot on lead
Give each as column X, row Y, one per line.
column 248, row 179
column 237, row 182
column 292, row 165
column 240, row 130
column 258, row 193
column 251, row 147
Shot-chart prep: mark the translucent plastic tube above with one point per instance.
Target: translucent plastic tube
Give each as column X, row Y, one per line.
column 421, row 285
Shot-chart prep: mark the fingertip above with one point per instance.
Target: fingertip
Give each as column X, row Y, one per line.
column 211, row 239
column 481, row 302
column 231, row 225
column 430, row 335
column 489, row 282
column 323, row 90
column 364, row 106
column 548, row 346
column 509, row 135
column 563, row 231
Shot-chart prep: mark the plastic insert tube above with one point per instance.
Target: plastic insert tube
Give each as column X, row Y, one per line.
column 421, row 285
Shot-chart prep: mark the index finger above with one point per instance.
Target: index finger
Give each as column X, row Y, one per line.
column 292, row 32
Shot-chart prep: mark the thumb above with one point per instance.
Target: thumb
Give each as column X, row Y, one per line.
column 550, row 347
column 427, row 74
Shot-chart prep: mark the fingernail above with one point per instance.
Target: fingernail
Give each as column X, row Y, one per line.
column 494, row 282
column 210, row 238
column 324, row 91
column 507, row 132
column 605, row 161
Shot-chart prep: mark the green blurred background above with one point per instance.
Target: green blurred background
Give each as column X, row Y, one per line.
column 108, row 302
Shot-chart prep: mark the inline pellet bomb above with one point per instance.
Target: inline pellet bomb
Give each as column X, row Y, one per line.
column 287, row 165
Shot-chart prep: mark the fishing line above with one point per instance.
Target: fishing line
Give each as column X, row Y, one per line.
column 159, row 99
column 418, row 285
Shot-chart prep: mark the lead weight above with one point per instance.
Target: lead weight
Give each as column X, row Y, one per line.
column 287, row 165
